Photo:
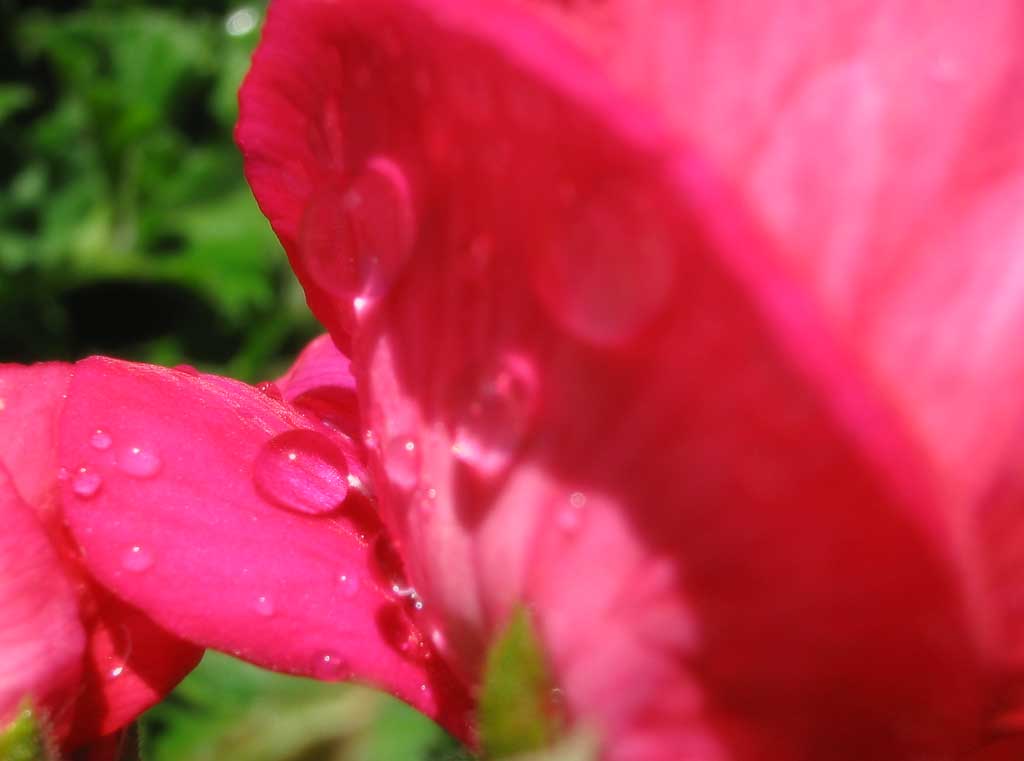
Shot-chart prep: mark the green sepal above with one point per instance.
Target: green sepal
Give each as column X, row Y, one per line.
column 518, row 712
column 25, row 738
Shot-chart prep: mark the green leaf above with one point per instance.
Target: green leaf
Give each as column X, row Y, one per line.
column 581, row 745
column 24, row 739
column 517, row 712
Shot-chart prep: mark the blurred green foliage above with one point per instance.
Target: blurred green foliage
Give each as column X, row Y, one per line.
column 126, row 226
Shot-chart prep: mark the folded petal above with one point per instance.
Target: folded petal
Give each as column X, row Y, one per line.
column 592, row 387
column 42, row 640
column 236, row 529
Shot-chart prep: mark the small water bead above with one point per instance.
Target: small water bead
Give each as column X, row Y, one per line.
column 186, row 369
column 139, row 462
column 356, row 238
column 85, row 483
column 349, row 584
column 136, row 559
column 100, row 439
column 408, row 593
column 571, row 515
column 302, row 470
column 330, row 666
column 269, row 388
column 610, row 270
column 264, row 606
column 498, row 413
column 115, row 672
column 402, row 462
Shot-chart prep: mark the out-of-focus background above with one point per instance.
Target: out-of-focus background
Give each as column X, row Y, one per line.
column 127, row 228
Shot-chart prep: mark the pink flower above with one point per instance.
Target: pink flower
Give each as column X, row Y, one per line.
column 204, row 511
column 691, row 326
column 88, row 660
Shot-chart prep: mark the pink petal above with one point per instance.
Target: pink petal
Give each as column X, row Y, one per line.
column 881, row 146
column 214, row 558
column 594, row 389
column 30, row 401
column 321, row 383
column 130, row 663
column 41, row 637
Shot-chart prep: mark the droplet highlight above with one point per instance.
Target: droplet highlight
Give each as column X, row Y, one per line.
column 330, row 666
column 357, row 237
column 100, row 440
column 497, row 413
column 85, row 483
column 139, row 462
column 348, row 583
column 271, row 389
column 303, row 471
column 136, row 559
column 402, row 462
column 264, row 606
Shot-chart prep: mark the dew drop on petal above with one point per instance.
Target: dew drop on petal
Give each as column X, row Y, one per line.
column 349, row 584
column 264, row 606
column 402, row 462
column 85, row 483
column 329, row 666
column 115, row 672
column 496, row 416
column 356, row 237
column 100, row 439
column 139, row 462
column 270, row 389
column 608, row 271
column 302, row 470
column 187, row 370
column 136, row 559
column 570, row 515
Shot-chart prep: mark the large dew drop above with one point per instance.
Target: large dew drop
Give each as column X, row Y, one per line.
column 357, row 236
column 499, row 411
column 136, row 559
column 85, row 483
column 302, row 470
column 139, row 462
column 608, row 271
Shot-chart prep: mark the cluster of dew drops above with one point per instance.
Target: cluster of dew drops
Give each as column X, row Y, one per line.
column 299, row 470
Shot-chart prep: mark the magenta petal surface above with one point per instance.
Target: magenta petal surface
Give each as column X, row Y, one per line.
column 594, row 385
column 42, row 641
column 191, row 540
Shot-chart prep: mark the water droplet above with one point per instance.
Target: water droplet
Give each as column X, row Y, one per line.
column 187, row 369
column 402, row 462
column 329, row 666
column 136, row 559
column 302, row 470
column 242, row 21
column 349, row 584
column 409, row 593
column 357, row 238
column 115, row 672
column 497, row 413
column 570, row 516
column 100, row 439
column 427, row 501
column 139, row 462
column 270, row 389
column 264, row 606
column 85, row 483
column 609, row 271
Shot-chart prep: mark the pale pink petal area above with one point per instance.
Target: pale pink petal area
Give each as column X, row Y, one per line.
column 594, row 387
column 235, row 529
column 42, row 641
column 881, row 146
